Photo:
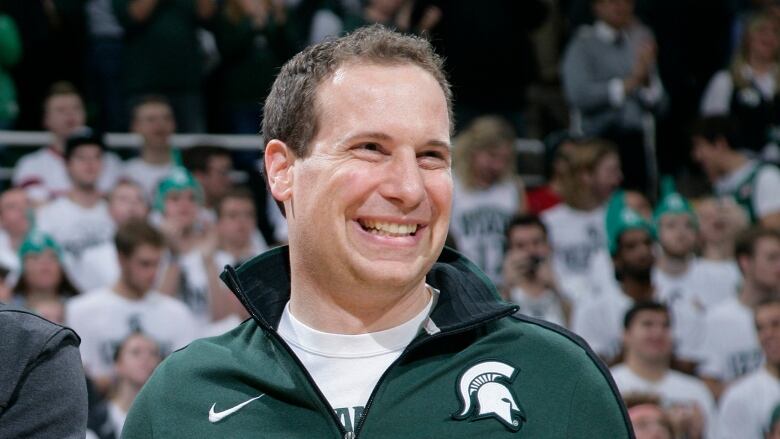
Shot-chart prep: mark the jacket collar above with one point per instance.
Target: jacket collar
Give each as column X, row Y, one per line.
column 466, row 296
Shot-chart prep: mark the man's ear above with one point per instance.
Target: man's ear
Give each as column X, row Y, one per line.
column 279, row 160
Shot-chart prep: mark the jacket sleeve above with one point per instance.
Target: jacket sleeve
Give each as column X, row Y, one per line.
column 52, row 394
column 596, row 408
column 582, row 90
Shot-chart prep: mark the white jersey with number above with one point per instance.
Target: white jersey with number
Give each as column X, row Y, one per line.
column 674, row 388
column 548, row 306
column 347, row 367
column 78, row 230
column 713, row 282
column 729, row 347
column 576, row 237
column 103, row 319
column 43, row 175
column 747, row 404
column 479, row 220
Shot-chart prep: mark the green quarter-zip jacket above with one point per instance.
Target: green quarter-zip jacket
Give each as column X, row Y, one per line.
column 473, row 371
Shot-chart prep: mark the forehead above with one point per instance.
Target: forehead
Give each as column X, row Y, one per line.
column 62, row 100
column 526, row 231
column 87, row 149
column 379, row 98
column 152, row 109
column 650, row 315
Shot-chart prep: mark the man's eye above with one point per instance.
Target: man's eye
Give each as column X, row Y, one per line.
column 370, row 146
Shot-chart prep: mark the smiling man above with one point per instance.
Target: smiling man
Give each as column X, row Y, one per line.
column 364, row 326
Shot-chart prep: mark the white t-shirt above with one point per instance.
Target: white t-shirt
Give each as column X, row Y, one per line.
column 9, row 258
column 600, row 323
column 479, row 220
column 575, row 236
column 42, row 173
column 712, row 282
column 194, row 289
column 747, row 404
column 117, row 417
column 674, row 388
column 147, row 175
column 716, row 100
column 103, row 319
column 547, row 307
column 767, row 186
column 77, row 229
column 363, row 358
column 729, row 347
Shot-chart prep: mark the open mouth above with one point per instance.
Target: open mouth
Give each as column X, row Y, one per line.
column 382, row 228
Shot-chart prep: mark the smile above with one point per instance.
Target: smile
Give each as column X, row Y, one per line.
column 389, row 229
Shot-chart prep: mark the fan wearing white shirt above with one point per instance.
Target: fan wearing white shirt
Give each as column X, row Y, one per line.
column 79, row 220
column 646, row 369
column 730, row 346
column 106, row 317
column 747, row 406
column 153, row 120
column 42, row 173
column 752, row 184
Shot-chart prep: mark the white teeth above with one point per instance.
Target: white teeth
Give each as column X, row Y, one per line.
column 383, row 228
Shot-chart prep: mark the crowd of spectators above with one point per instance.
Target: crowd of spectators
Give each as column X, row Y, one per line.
column 674, row 282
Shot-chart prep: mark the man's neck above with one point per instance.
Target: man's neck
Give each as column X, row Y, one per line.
column 354, row 310
column 718, row 251
column 773, row 369
column 672, row 265
column 125, row 395
column 128, row 292
column 85, row 197
column 638, row 290
column 648, row 370
column 532, row 287
column 156, row 155
column 238, row 250
column 57, row 144
column 733, row 162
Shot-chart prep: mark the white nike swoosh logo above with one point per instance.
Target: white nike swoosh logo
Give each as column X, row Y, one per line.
column 218, row 416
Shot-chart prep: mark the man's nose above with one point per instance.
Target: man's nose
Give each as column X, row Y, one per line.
column 403, row 180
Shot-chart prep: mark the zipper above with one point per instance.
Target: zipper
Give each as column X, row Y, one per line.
column 412, row 346
column 279, row 340
column 233, row 280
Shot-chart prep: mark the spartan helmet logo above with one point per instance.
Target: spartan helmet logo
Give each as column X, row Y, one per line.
column 485, row 392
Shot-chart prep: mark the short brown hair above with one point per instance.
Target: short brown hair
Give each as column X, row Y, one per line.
column 135, row 233
column 60, row 88
column 151, row 99
column 290, row 111
column 747, row 241
column 584, row 157
column 196, row 158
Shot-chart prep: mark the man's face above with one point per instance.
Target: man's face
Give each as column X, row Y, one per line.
column 708, row 155
column 529, row 240
column 63, row 114
column 635, row 253
column 489, row 165
column 649, row 423
column 236, row 221
column 14, row 207
column 139, row 269
column 607, row 176
column 616, row 13
column 154, row 122
column 677, row 234
column 763, row 269
column 42, row 271
column 649, row 336
column 138, row 359
column 216, row 180
column 181, row 207
column 127, row 202
column 768, row 328
column 84, row 166
column 371, row 204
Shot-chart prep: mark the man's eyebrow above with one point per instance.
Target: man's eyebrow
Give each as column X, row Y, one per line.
column 377, row 135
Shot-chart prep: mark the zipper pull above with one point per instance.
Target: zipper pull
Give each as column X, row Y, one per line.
column 349, row 435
